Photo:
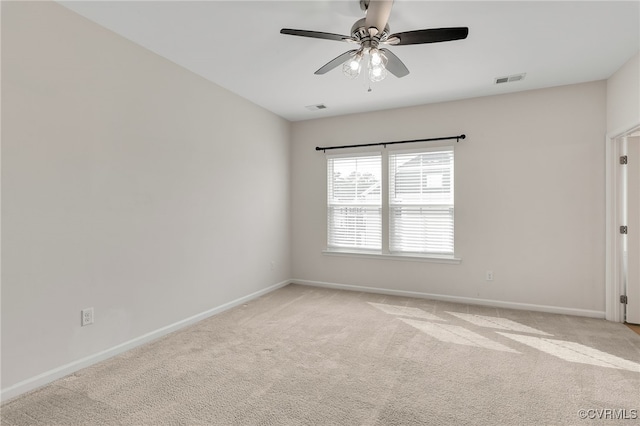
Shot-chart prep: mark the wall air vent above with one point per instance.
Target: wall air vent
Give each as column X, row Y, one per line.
column 316, row 107
column 510, row 79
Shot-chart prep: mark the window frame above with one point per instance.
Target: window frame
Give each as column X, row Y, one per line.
column 384, row 253
column 338, row 248
column 391, row 204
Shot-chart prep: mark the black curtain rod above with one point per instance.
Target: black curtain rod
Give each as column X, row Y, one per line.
column 457, row 138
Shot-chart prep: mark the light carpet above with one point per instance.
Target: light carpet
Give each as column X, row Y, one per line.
column 312, row 356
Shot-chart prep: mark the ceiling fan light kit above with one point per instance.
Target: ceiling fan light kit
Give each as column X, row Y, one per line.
column 375, row 61
column 366, row 32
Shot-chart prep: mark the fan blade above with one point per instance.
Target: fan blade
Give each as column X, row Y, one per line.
column 315, row 34
column 335, row 62
column 435, row 35
column 378, row 13
column 394, row 65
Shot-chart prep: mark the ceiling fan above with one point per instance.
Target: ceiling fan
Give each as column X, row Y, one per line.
column 372, row 31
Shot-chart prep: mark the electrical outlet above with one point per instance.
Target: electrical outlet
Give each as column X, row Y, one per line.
column 489, row 276
column 87, row 317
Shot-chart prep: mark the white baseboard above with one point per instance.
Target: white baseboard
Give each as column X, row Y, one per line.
column 457, row 299
column 64, row 370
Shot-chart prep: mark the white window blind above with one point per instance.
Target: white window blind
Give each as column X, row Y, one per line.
column 421, row 202
column 354, row 202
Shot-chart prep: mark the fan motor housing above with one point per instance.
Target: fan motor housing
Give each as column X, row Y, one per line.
column 364, row 36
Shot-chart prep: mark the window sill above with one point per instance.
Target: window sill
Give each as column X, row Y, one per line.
column 432, row 258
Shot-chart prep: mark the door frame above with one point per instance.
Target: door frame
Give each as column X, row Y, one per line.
column 613, row 282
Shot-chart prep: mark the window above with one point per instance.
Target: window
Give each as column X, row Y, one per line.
column 416, row 216
column 421, row 202
column 354, row 202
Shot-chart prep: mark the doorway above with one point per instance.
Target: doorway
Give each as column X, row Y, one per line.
column 623, row 227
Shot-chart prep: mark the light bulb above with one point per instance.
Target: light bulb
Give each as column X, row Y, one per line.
column 377, row 65
column 352, row 66
column 376, row 57
column 377, row 73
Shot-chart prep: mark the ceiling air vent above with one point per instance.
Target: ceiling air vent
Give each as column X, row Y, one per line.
column 316, row 107
column 511, row 78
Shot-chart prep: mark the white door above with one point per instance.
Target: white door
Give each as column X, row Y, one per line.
column 632, row 254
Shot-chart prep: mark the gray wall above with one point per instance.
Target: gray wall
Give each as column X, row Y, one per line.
column 530, row 196
column 128, row 184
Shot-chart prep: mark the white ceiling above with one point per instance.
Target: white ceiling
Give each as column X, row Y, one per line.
column 237, row 45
